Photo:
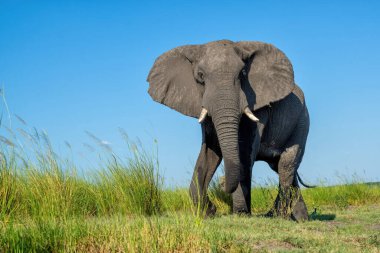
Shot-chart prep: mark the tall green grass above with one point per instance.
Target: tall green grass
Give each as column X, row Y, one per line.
column 8, row 187
column 38, row 183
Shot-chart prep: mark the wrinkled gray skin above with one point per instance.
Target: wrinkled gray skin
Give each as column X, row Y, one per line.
column 225, row 77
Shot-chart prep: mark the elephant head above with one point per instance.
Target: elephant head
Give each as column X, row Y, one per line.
column 223, row 81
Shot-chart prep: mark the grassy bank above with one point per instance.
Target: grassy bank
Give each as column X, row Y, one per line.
column 45, row 206
column 353, row 230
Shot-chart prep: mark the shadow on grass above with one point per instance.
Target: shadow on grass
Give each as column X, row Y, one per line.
column 322, row 217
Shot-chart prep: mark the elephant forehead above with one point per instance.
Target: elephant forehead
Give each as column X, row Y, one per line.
column 222, row 56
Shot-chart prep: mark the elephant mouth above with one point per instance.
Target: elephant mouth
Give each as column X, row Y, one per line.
column 246, row 111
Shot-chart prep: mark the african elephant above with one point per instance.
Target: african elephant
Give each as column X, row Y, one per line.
column 249, row 108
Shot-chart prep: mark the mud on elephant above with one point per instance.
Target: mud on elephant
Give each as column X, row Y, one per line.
column 249, row 108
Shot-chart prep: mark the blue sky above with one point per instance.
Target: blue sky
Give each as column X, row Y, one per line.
column 71, row 66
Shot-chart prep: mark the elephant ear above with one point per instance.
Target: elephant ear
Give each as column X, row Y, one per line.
column 270, row 74
column 172, row 83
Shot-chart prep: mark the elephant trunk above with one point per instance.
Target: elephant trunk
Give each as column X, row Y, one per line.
column 226, row 119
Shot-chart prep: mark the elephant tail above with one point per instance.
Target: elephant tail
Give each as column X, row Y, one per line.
column 306, row 185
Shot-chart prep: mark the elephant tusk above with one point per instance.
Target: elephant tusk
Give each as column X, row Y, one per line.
column 203, row 115
column 250, row 115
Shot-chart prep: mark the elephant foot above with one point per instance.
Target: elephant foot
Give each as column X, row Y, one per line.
column 299, row 212
column 243, row 211
column 289, row 204
column 270, row 214
column 210, row 211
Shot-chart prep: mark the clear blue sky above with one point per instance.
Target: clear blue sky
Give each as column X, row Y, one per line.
column 71, row 66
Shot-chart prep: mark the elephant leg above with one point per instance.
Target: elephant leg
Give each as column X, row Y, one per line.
column 241, row 197
column 249, row 145
column 208, row 161
column 289, row 202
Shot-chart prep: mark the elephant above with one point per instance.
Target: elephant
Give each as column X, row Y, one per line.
column 250, row 109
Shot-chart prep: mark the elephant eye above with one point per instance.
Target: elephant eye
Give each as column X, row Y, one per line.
column 243, row 73
column 200, row 77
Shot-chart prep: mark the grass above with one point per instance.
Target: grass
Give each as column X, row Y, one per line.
column 45, row 206
column 352, row 231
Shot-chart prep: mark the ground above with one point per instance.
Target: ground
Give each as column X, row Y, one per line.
column 352, row 229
